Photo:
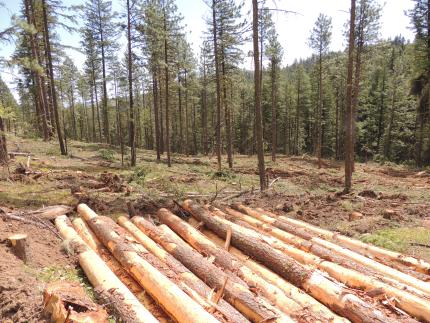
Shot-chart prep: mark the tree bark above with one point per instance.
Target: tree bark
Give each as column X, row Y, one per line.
column 235, row 291
column 135, row 259
column 230, row 263
column 192, row 281
column 103, row 279
column 349, row 153
column 337, row 297
column 257, row 98
column 218, row 85
column 94, row 243
column 3, row 145
column 51, row 79
column 304, row 300
column 132, row 125
column 166, row 72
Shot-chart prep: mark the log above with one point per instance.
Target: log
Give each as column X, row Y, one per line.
column 349, row 254
column 171, row 298
column 94, row 243
column 358, row 246
column 334, row 295
column 309, row 245
column 415, row 306
column 19, row 246
column 193, row 286
column 103, row 279
column 308, row 235
column 300, row 297
column 236, row 291
column 227, row 261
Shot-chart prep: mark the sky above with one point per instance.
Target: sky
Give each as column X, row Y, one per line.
column 293, row 28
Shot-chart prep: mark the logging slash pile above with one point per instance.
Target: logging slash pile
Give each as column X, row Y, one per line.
column 241, row 264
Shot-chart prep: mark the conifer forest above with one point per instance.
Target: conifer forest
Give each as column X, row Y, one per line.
column 153, row 172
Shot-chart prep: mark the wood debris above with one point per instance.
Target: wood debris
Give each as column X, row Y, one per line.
column 242, row 264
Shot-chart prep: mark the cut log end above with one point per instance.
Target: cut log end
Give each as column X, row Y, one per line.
column 19, row 246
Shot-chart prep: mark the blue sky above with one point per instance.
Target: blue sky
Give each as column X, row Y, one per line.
column 293, row 29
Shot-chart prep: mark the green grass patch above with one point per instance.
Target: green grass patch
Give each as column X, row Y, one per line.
column 398, row 239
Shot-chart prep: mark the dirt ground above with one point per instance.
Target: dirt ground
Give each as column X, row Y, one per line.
column 22, row 285
column 394, row 203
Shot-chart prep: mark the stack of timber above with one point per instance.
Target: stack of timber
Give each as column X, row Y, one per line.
column 240, row 264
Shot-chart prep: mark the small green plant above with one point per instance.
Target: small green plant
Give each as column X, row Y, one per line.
column 138, row 175
column 107, row 154
column 223, row 175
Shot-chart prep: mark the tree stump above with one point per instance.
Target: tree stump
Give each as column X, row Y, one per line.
column 19, row 246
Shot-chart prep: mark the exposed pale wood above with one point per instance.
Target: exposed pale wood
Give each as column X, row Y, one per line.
column 61, row 299
column 236, row 291
column 173, row 299
column 192, row 284
column 229, row 262
column 334, row 295
column 304, row 300
column 412, row 304
column 94, row 243
column 363, row 260
column 103, row 279
column 19, row 246
column 361, row 247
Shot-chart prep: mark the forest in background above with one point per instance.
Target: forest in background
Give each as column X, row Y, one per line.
column 160, row 95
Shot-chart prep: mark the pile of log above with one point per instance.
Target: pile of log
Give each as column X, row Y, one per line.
column 241, row 264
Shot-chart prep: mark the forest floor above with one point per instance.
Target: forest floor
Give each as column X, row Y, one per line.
column 394, row 202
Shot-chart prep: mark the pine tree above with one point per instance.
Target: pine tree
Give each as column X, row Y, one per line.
column 257, row 98
column 274, row 53
column 320, row 41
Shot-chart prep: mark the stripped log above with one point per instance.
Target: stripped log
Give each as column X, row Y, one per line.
column 171, row 298
column 304, row 233
column 300, row 297
column 356, row 257
column 236, row 291
column 295, row 238
column 415, row 306
column 94, row 243
column 334, row 295
column 226, row 260
column 103, row 279
column 358, row 246
column 193, row 286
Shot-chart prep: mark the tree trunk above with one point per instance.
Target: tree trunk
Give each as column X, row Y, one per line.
column 181, row 123
column 337, row 260
column 105, row 95
column 3, row 145
column 230, row 263
column 166, row 72
column 337, row 297
column 319, row 114
column 185, row 274
column 94, row 243
column 304, row 300
column 349, row 148
column 51, row 77
column 132, row 125
column 103, row 279
column 156, row 114
column 205, row 111
column 274, row 111
column 218, row 85
column 134, row 258
column 257, row 98
column 235, row 291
